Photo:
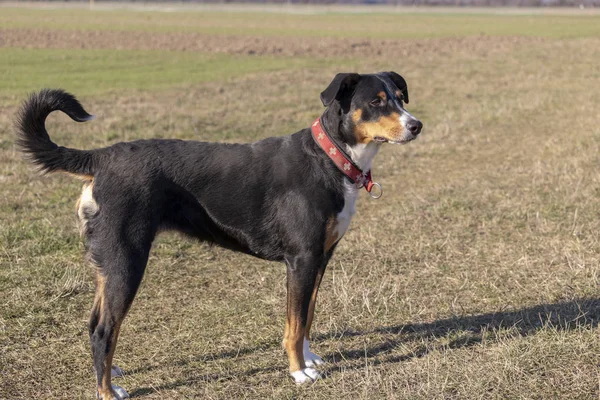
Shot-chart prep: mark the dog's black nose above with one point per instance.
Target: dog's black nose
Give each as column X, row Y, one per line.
column 414, row 126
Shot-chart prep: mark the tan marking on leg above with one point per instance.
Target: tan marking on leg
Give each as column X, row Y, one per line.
column 293, row 338
column 331, row 236
column 105, row 395
column 106, row 389
column 311, row 305
column 99, row 295
column 293, row 342
column 83, row 177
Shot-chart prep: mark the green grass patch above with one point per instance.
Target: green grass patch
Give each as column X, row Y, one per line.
column 89, row 72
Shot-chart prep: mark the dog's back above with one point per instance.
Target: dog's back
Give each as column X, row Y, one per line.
column 222, row 193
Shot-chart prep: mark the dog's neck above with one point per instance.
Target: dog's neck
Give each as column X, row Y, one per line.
column 361, row 154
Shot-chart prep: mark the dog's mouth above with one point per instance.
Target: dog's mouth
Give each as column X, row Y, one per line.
column 405, row 139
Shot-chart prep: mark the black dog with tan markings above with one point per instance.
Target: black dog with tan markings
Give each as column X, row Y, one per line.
column 287, row 199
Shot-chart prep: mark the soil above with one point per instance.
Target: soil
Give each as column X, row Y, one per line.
column 289, row 46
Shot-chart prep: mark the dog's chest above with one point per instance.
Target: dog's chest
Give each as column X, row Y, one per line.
column 342, row 220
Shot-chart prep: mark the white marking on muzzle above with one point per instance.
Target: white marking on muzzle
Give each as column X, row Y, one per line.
column 405, row 118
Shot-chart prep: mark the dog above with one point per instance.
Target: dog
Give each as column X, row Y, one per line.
column 288, row 199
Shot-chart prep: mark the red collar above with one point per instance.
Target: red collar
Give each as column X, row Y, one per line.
column 342, row 161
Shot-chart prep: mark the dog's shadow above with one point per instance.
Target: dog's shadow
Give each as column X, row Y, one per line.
column 470, row 330
column 467, row 331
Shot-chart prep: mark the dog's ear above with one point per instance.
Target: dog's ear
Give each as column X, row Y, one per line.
column 343, row 83
column 399, row 82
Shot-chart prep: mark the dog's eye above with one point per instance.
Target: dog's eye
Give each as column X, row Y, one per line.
column 378, row 102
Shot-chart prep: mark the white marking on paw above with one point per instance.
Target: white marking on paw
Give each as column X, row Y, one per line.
column 310, row 358
column 116, row 372
column 300, row 377
column 312, row 373
column 307, row 375
column 120, row 392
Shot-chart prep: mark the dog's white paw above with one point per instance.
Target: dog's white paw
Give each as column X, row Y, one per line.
column 120, row 392
column 307, row 375
column 310, row 358
column 116, row 372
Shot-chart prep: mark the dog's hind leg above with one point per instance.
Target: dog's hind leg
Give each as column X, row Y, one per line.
column 117, row 281
column 302, row 274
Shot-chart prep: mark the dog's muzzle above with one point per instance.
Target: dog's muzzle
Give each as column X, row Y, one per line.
column 414, row 126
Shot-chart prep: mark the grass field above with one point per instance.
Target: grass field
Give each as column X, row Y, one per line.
column 474, row 277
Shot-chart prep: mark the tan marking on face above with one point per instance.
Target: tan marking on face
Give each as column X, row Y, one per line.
column 388, row 127
column 311, row 305
column 331, row 235
column 382, row 95
column 398, row 93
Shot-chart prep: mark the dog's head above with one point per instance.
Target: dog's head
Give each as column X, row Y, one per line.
column 370, row 108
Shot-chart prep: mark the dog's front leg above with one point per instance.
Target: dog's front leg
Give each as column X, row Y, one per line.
column 302, row 274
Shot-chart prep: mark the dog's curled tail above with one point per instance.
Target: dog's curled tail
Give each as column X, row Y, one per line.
column 33, row 138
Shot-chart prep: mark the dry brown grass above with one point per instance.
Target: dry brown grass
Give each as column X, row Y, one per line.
column 480, row 278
